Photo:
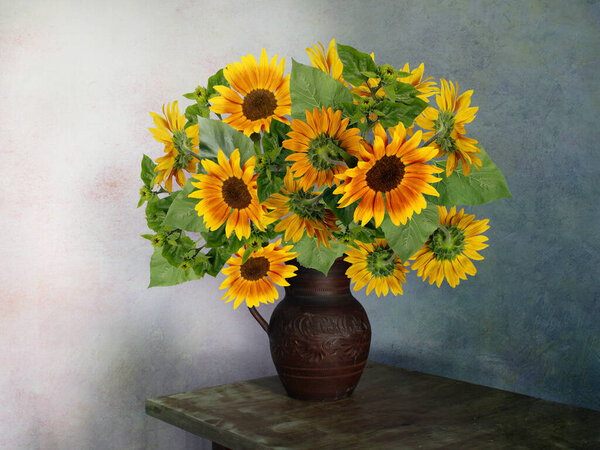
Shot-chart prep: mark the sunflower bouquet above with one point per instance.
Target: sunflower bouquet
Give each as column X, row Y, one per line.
column 340, row 158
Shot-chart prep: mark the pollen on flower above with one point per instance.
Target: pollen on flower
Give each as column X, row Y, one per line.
column 255, row 268
column 259, row 104
column 235, row 193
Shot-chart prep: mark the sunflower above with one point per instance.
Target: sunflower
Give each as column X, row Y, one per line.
column 330, row 63
column 448, row 252
column 301, row 211
column 255, row 279
column 258, row 94
column 228, row 193
column 425, row 87
column 318, row 145
column 179, row 144
column 377, row 266
column 393, row 176
column 448, row 125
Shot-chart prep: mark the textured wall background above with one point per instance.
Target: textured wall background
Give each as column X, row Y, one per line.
column 83, row 342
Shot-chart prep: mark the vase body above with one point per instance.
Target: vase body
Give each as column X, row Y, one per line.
column 319, row 335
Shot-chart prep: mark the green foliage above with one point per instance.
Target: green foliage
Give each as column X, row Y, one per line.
column 390, row 113
column 358, row 66
column 312, row 88
column 182, row 213
column 271, row 141
column 407, row 239
column 480, row 186
column 162, row 273
column 345, row 215
column 268, row 186
column 194, row 111
column 315, row 257
column 156, row 210
column 148, row 173
column 217, row 135
column 218, row 79
column 176, row 247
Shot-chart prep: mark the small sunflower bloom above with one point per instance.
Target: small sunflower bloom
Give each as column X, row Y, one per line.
column 448, row 252
column 318, row 145
column 425, row 87
column 299, row 211
column 259, row 93
column 448, row 123
column 254, row 280
column 228, row 194
column 329, row 63
column 392, row 177
column 179, row 143
column 377, row 267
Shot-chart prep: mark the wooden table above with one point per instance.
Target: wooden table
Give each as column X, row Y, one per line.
column 391, row 408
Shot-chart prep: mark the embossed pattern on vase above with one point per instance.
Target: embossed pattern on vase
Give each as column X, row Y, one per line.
column 320, row 335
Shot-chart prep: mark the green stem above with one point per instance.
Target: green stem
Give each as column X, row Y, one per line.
column 446, row 232
column 256, row 138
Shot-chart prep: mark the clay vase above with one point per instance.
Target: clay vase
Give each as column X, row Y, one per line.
column 319, row 335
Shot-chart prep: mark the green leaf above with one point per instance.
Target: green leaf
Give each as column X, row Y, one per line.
column 164, row 274
column 156, row 210
column 345, row 215
column 194, row 111
column 182, row 213
column 174, row 251
column 407, row 239
column 352, row 111
column 267, row 187
column 271, row 141
column 480, row 186
column 390, row 113
column 312, row 88
column 370, row 74
column 216, row 135
column 390, row 92
column 218, row 256
column 148, row 173
column 315, row 257
column 218, row 79
column 355, row 63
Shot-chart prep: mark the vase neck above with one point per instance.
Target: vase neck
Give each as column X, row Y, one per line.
column 312, row 283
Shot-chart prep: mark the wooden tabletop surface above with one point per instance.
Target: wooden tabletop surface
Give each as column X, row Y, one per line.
column 391, row 408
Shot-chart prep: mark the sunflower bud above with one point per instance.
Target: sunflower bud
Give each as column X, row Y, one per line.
column 387, row 73
column 201, row 94
column 158, row 240
column 366, row 104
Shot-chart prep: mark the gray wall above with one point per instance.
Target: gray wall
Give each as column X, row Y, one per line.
column 83, row 342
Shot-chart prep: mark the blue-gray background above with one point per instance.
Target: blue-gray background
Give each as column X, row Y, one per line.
column 83, row 342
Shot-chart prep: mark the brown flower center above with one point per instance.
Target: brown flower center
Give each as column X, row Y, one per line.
column 259, row 104
column 236, row 193
column 255, row 268
column 386, row 174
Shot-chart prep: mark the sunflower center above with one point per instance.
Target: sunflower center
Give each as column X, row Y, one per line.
column 323, row 152
column 386, row 174
column 255, row 268
column 259, row 104
column 447, row 242
column 183, row 145
column 443, row 127
column 303, row 205
column 381, row 262
column 236, row 193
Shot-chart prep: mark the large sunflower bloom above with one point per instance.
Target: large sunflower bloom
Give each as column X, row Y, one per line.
column 179, row 143
column 331, row 63
column 449, row 125
column 317, row 145
column 255, row 279
column 425, row 87
column 393, row 176
column 376, row 266
column 228, row 193
column 259, row 93
column 300, row 211
column 448, row 252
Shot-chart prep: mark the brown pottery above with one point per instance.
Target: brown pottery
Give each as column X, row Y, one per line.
column 319, row 335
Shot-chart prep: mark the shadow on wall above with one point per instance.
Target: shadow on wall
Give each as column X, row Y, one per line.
column 166, row 354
